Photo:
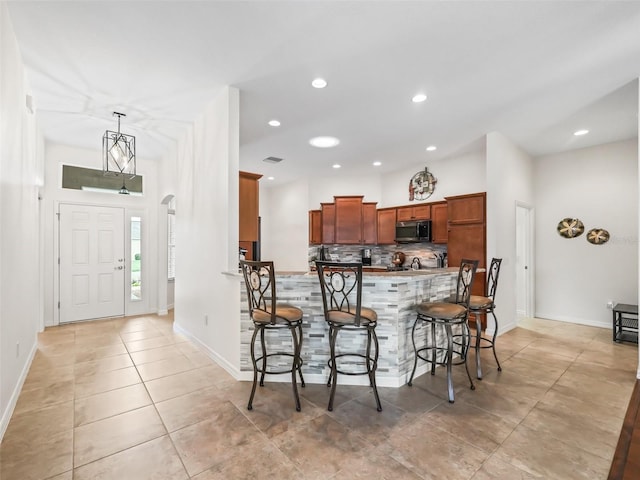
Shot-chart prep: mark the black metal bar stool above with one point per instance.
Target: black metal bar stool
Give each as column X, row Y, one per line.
column 341, row 286
column 267, row 315
column 479, row 305
column 447, row 315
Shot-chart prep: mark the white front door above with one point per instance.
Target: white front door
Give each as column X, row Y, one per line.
column 92, row 263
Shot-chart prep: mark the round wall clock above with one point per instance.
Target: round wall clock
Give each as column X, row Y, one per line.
column 422, row 185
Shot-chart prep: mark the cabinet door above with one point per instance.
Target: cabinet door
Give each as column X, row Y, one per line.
column 328, row 222
column 468, row 241
column 315, row 227
column 417, row 212
column 466, row 208
column 387, row 226
column 439, row 222
column 348, row 220
column 422, row 212
column 369, row 223
column 404, row 214
column 248, row 206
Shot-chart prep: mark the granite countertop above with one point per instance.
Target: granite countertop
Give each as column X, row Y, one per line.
column 374, row 271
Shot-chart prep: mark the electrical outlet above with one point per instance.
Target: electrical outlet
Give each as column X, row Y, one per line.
column 206, row 320
column 610, row 304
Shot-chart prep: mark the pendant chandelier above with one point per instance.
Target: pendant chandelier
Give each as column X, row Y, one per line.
column 118, row 152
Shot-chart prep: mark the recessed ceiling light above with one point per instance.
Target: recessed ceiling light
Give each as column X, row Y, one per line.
column 580, row 132
column 377, row 164
column 336, row 165
column 270, row 178
column 431, row 148
column 324, row 142
column 319, row 83
column 274, row 123
column 420, row 97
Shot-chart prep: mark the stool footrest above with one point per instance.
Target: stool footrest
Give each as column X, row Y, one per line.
column 372, row 362
column 277, row 372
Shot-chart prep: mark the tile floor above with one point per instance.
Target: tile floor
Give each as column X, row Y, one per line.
column 129, row 399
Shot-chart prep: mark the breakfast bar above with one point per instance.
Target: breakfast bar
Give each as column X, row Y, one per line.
column 393, row 295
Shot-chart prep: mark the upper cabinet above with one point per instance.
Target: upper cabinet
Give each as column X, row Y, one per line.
column 369, row 223
column 249, row 201
column 315, row 227
column 466, row 208
column 386, row 226
column 348, row 219
column 414, row 212
column 439, row 222
column 328, row 222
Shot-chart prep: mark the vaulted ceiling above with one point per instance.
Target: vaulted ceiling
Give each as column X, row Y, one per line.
column 535, row 71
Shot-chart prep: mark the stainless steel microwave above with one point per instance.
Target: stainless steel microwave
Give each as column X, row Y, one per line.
column 416, row 231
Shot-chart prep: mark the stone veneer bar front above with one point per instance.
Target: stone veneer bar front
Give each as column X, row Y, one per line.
column 393, row 295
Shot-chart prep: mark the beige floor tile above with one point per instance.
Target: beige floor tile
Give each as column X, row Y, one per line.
column 182, row 383
column 598, row 390
column 110, row 403
column 87, row 353
column 320, row 447
column 213, row 441
column 37, row 426
column 38, row 398
column 552, row 458
column 114, row 434
column 138, row 345
column 140, row 335
column 155, row 354
column 471, row 424
column 185, row 410
column 63, row 476
column 105, row 381
column 103, row 365
column 25, row 461
column 373, row 465
column 495, row 469
column 44, row 361
column 153, row 460
column 45, row 378
column 165, row 367
column 262, row 461
column 434, row 453
column 414, row 399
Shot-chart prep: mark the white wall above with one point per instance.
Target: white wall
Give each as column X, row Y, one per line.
column 598, row 185
column 509, row 180
column 21, row 175
column 457, row 175
column 207, row 231
column 146, row 205
column 285, row 225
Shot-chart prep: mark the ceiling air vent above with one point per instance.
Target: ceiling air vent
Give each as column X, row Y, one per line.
column 272, row 160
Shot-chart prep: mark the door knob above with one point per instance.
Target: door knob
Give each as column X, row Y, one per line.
column 118, row 268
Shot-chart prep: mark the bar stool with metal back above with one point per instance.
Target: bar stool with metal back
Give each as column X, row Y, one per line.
column 479, row 305
column 268, row 315
column 447, row 315
column 341, row 286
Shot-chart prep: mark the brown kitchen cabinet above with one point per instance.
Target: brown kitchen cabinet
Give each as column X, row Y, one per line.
column 386, row 226
column 315, row 227
column 328, row 222
column 369, row 223
column 248, row 206
column 414, row 212
column 439, row 222
column 348, row 220
column 467, row 235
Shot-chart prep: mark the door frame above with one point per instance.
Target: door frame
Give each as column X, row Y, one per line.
column 528, row 256
column 130, row 307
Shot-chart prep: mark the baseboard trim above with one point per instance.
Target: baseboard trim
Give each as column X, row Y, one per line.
column 13, row 400
column 579, row 321
column 232, row 370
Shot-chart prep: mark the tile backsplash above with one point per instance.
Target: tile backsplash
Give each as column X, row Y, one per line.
column 381, row 254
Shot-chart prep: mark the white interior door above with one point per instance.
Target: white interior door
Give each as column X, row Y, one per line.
column 524, row 261
column 92, row 262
